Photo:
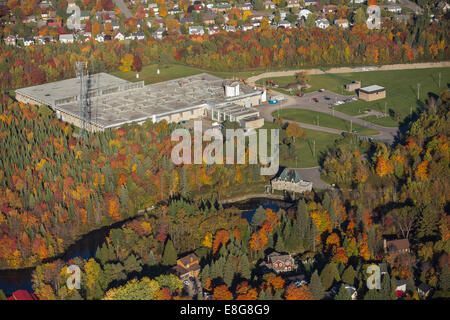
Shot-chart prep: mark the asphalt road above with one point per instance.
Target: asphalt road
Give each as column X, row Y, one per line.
column 306, row 103
column 123, row 8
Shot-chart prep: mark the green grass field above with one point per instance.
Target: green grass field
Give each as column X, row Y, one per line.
column 323, row 120
column 305, row 147
column 174, row 71
column 401, row 90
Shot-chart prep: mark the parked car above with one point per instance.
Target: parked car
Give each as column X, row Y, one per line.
column 315, row 100
column 326, row 97
column 299, row 95
column 321, row 90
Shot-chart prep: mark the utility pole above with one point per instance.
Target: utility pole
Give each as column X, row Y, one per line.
column 314, row 152
column 418, row 91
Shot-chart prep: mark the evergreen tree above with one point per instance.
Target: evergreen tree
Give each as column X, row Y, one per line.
column 259, row 217
column 444, row 279
column 428, row 223
column 328, row 275
column 228, row 274
column 151, row 259
column 245, row 267
column 170, row 255
column 262, row 295
column 316, row 286
column 386, row 290
column 349, row 276
column 343, row 294
column 279, row 247
column 204, row 275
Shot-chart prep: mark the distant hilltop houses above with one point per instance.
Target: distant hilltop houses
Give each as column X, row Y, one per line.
column 155, row 20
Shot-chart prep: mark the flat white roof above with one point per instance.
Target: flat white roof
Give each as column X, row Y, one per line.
column 372, row 88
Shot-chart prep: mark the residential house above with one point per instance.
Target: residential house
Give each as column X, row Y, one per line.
column 395, row 247
column 198, row 7
column 424, row 290
column 22, row 295
column 209, row 17
column 244, row 6
column 197, row 30
column 115, row 25
column 119, row 36
column 230, row 28
column 304, row 13
column 284, row 24
column 400, row 287
column 29, row 19
column 54, row 24
column 28, row 42
column 187, row 267
column 173, row 11
column 343, row 23
column 322, row 23
column 10, row 40
column 269, row 5
column 329, row 9
column 247, row 27
column 395, row 9
column 280, row 262
column 310, row 3
column 359, row 1
column 85, row 15
column 221, row 7
column 283, row 15
column 443, row 6
column 159, row 33
column 139, row 35
column 66, row 38
column 100, row 37
column 290, row 181
column 213, row 30
column 45, row 39
column 402, row 18
column 292, row 3
column 154, row 7
column 188, row 20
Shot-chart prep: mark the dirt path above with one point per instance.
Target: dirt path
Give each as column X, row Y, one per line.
column 426, row 65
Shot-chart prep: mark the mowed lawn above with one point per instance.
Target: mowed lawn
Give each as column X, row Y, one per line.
column 401, row 90
column 323, row 120
column 174, row 71
column 305, row 147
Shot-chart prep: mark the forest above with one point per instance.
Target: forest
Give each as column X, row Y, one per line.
column 397, row 192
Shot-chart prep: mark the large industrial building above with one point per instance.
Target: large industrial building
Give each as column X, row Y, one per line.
column 114, row 102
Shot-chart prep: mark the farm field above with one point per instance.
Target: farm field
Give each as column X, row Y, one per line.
column 323, row 120
column 401, row 90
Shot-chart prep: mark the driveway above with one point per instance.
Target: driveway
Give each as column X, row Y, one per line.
column 123, row 8
column 306, row 103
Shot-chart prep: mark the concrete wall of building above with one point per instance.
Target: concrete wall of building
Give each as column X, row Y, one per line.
column 371, row 96
column 186, row 115
column 290, row 186
column 253, row 124
column 24, row 99
column 77, row 122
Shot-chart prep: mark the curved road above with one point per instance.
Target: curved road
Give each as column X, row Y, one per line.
column 386, row 134
column 252, row 80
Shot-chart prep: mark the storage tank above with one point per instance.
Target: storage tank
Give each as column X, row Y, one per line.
column 231, row 89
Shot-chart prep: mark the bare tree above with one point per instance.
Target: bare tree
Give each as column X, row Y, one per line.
column 404, row 219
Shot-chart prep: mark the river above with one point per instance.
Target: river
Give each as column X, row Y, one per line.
column 15, row 279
